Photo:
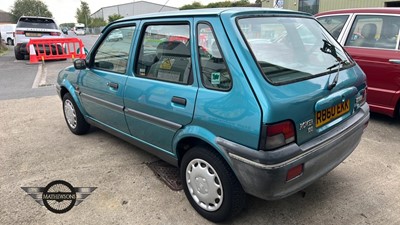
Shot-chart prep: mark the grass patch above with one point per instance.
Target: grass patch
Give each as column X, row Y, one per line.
column 3, row 49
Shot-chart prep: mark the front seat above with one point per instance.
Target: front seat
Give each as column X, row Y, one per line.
column 368, row 33
column 173, row 62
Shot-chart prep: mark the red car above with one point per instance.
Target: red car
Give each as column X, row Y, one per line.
column 371, row 37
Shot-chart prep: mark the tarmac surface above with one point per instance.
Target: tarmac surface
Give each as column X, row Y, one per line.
column 36, row 148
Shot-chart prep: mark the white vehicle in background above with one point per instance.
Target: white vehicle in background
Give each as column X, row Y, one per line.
column 79, row 29
column 35, row 27
column 7, row 33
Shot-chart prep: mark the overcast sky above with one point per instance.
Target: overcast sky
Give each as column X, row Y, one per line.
column 64, row 10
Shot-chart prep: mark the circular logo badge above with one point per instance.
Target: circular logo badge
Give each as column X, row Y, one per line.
column 59, row 196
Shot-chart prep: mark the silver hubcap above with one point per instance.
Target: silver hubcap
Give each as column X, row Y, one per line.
column 204, row 185
column 70, row 113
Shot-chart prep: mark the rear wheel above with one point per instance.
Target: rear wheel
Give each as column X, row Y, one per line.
column 210, row 185
column 18, row 55
column 73, row 116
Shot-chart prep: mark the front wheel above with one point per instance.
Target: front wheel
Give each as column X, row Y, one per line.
column 73, row 116
column 210, row 185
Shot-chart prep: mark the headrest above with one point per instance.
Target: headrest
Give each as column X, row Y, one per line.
column 176, row 48
column 368, row 31
column 390, row 31
column 215, row 51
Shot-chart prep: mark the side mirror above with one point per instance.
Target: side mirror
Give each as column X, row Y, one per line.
column 80, row 64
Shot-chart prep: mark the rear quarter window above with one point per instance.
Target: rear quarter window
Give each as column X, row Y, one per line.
column 43, row 23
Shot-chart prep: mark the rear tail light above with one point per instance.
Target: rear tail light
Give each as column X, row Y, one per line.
column 55, row 34
column 361, row 98
column 278, row 135
column 19, row 32
column 14, row 34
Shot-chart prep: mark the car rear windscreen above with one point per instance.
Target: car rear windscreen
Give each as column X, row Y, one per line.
column 290, row 49
column 37, row 23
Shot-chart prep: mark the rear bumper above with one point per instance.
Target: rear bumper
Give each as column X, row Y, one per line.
column 263, row 173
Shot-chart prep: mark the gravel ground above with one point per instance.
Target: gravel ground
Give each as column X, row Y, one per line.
column 36, row 148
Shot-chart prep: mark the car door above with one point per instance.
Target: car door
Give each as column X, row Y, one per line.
column 102, row 84
column 373, row 42
column 160, row 96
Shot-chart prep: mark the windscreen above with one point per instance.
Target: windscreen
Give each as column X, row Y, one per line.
column 289, row 49
column 43, row 23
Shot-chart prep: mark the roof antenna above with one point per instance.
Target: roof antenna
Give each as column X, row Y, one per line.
column 163, row 5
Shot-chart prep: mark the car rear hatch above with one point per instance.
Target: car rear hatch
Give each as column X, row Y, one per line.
column 305, row 82
column 37, row 27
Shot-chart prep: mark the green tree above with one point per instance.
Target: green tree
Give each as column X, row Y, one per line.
column 194, row 5
column 114, row 17
column 98, row 22
column 29, row 8
column 83, row 14
column 68, row 25
column 241, row 3
column 198, row 5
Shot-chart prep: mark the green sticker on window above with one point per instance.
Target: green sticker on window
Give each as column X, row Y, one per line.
column 215, row 78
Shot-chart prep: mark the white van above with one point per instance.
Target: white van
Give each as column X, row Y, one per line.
column 79, row 29
column 7, row 33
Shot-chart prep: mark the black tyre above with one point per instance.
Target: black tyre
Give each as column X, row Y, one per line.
column 398, row 110
column 210, row 185
column 18, row 55
column 73, row 116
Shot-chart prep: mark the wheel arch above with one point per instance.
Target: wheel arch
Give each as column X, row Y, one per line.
column 396, row 103
column 67, row 87
column 194, row 136
column 397, row 109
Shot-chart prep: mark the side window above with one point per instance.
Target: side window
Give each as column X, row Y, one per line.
column 165, row 53
column 334, row 24
column 214, row 72
column 113, row 53
column 374, row 32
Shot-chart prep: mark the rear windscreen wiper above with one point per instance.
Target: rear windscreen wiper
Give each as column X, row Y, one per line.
column 339, row 65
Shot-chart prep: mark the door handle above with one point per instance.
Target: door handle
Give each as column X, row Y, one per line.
column 395, row 61
column 179, row 100
column 112, row 85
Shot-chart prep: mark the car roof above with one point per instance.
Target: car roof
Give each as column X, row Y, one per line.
column 386, row 10
column 36, row 17
column 211, row 12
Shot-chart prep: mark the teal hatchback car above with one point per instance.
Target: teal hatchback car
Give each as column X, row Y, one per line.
column 242, row 100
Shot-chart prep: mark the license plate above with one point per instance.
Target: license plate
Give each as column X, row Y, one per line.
column 329, row 114
column 33, row 34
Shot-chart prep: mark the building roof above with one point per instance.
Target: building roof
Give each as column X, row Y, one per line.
column 135, row 2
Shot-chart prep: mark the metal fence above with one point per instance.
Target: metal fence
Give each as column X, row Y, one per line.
column 94, row 30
